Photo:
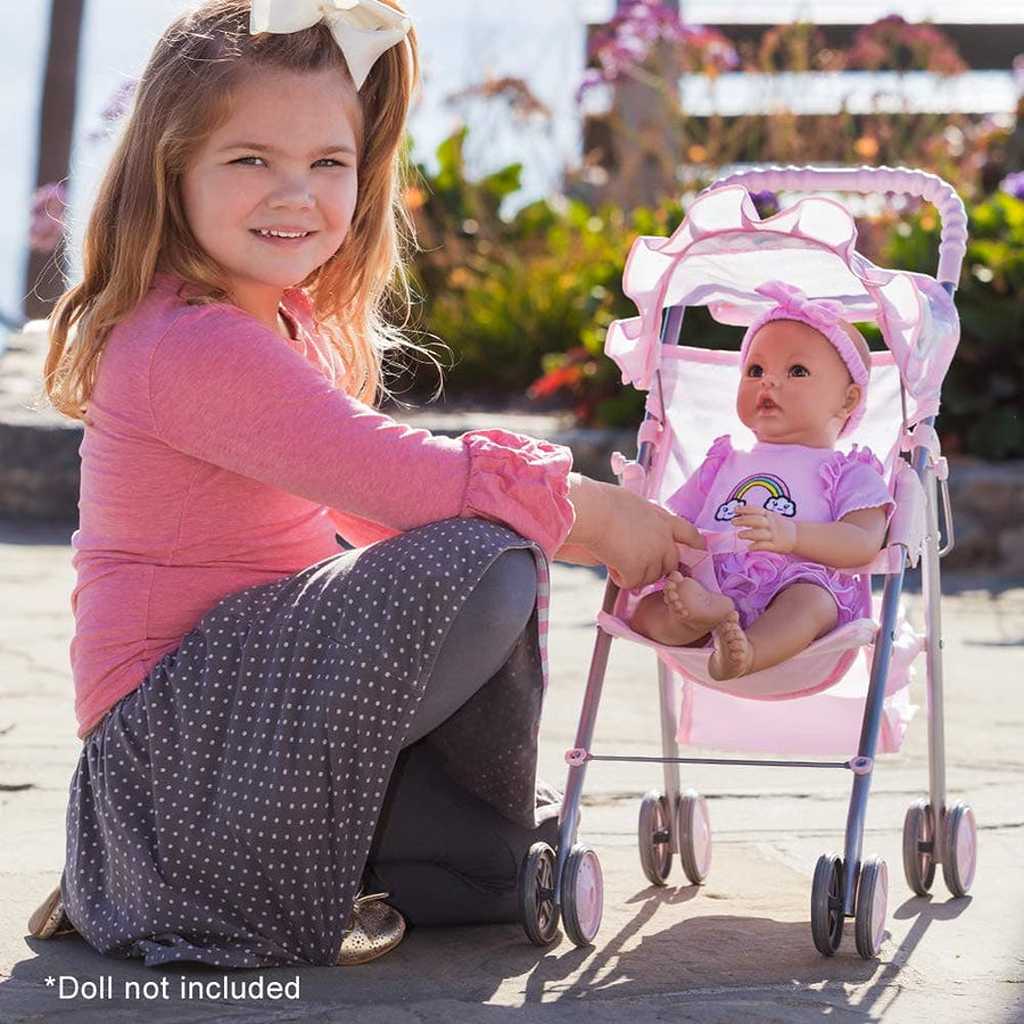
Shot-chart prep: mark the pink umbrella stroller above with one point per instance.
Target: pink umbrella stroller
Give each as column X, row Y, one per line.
column 848, row 691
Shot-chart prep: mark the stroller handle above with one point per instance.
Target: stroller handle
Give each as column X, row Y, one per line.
column 867, row 180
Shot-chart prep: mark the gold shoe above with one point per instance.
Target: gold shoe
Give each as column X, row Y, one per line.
column 49, row 919
column 375, row 929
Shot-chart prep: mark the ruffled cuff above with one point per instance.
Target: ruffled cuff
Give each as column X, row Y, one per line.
column 522, row 482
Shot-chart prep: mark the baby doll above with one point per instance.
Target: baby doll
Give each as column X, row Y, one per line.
column 807, row 511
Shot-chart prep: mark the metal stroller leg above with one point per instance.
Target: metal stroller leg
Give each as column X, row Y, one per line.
column 667, row 690
column 931, row 586
column 584, row 735
column 869, row 739
column 937, row 833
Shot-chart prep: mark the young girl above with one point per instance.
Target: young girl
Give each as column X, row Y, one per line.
column 242, row 688
column 807, row 511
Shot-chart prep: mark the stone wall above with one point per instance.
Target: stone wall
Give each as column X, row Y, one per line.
column 39, row 462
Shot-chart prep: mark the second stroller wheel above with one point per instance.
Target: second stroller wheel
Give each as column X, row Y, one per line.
column 582, row 895
column 827, row 914
column 537, row 907
column 654, row 837
column 918, row 847
column 693, row 831
column 960, row 857
column 872, row 904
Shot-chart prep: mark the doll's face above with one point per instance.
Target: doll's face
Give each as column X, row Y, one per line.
column 795, row 387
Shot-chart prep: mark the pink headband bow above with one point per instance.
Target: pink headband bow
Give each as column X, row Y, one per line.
column 825, row 316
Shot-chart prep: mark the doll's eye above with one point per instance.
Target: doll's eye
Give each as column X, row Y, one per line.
column 798, row 370
column 755, row 370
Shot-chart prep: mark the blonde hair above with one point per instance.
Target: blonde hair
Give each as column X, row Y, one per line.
column 137, row 224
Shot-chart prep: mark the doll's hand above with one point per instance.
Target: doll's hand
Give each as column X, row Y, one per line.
column 767, row 531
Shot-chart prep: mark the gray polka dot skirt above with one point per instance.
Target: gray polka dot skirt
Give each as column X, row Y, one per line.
column 223, row 811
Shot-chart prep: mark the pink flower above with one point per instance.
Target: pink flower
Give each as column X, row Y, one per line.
column 627, row 40
column 117, row 106
column 49, row 204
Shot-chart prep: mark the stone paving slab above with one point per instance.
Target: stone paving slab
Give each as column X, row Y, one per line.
column 736, row 949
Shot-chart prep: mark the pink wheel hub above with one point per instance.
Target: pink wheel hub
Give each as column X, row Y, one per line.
column 880, row 905
column 966, row 852
column 590, row 894
column 701, row 838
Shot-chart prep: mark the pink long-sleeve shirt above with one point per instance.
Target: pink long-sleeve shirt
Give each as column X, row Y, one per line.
column 218, row 455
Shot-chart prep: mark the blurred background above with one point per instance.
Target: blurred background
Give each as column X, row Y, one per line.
column 549, row 133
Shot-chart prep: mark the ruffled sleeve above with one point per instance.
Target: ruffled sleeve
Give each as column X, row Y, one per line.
column 688, row 501
column 854, row 480
column 522, row 482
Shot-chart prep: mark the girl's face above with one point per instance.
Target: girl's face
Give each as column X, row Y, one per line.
column 285, row 161
column 795, row 387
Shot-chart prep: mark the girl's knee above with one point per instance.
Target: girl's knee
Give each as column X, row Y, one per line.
column 509, row 586
column 500, row 605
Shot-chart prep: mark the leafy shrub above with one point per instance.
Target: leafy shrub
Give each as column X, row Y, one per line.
column 983, row 397
column 524, row 302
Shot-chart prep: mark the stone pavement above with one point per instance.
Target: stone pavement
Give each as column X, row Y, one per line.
column 735, row 949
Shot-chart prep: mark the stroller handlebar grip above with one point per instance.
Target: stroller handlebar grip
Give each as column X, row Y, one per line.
column 868, row 180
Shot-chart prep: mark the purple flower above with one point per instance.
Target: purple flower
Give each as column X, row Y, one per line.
column 49, row 204
column 1014, row 184
column 1018, row 72
column 766, row 203
column 117, row 106
column 626, row 42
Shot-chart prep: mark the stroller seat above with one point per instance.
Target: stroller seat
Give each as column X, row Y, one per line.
column 696, row 401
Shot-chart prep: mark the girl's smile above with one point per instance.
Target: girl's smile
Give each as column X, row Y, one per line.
column 283, row 236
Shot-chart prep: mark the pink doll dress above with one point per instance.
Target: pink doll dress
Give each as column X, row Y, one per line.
column 816, row 485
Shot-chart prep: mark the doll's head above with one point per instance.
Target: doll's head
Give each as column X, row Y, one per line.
column 804, row 372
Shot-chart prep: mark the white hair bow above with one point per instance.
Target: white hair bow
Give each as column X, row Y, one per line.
column 364, row 29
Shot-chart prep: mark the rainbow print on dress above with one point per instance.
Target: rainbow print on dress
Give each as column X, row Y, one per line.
column 778, row 497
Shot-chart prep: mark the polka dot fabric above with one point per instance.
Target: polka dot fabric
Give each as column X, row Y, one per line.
column 223, row 811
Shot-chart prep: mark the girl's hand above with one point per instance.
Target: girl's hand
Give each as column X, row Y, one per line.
column 575, row 554
column 767, row 531
column 634, row 537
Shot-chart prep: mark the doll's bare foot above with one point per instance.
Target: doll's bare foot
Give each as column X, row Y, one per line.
column 692, row 605
column 733, row 654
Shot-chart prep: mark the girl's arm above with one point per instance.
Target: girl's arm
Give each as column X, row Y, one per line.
column 851, row 542
column 227, row 391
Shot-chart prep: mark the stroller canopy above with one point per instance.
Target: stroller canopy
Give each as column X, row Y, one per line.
column 723, row 251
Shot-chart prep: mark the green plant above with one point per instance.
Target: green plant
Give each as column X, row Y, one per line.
column 983, row 397
column 524, row 302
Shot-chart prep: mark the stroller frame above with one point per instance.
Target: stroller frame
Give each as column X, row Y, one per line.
column 933, row 833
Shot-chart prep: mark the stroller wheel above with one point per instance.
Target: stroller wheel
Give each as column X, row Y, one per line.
column 693, row 829
column 872, row 902
column 537, row 907
column 827, row 904
column 654, row 837
column 918, row 849
column 582, row 895
column 961, row 848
